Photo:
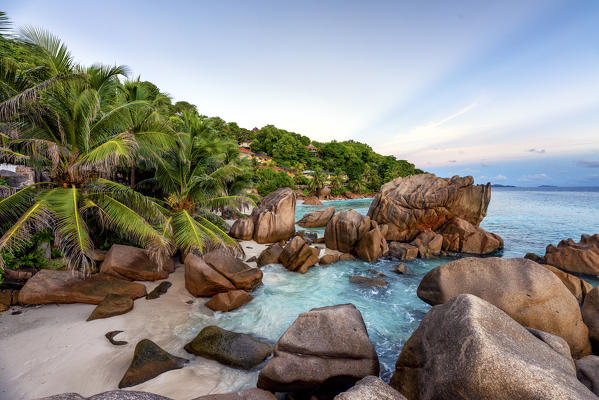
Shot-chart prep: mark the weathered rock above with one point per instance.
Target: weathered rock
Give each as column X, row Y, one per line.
column 590, row 315
column 239, row 273
column 346, row 257
column 97, row 255
column 248, row 394
column 367, row 281
column 110, row 336
column 412, row 204
column 587, row 372
column 51, row 286
column 461, row 236
column 298, row 256
column 535, row 257
column 317, row 218
column 159, row 290
column 274, row 219
column 312, row 201
column 403, row 251
column 526, row 291
column 372, row 245
column 9, row 297
column 251, row 259
column 111, row 395
column 243, row 229
column 203, row 281
column 370, row 388
column 270, row 255
column 229, row 300
column 328, row 345
column 578, row 287
column 133, row 263
column 377, row 273
column 149, row 361
column 324, row 192
column 113, row 304
column 319, row 240
column 345, row 229
column 429, row 244
column 469, row 349
column 401, row 269
column 581, row 257
column 4, row 307
column 237, row 350
column 328, row 259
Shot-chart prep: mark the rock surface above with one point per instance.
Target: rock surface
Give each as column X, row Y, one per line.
column 469, row 349
column 370, row 388
column 270, row 255
column 526, row 291
column 345, row 229
column 274, row 218
column 228, row 301
column 201, row 280
column 460, row 236
column 241, row 275
column 298, row 256
column 328, row 259
column 133, row 263
column 581, row 257
column 237, row 350
column 372, row 245
column 149, row 361
column 428, row 243
column 248, row 394
column 317, row 218
column 111, row 395
column 312, row 201
column 328, row 345
column 587, row 372
column 159, row 290
column 403, row 251
column 367, row 281
column 243, row 229
column 401, row 269
column 590, row 315
column 412, row 204
column 578, row 287
column 113, row 304
column 50, row 286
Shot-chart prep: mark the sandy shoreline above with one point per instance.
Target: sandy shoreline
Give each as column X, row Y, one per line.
column 51, row 349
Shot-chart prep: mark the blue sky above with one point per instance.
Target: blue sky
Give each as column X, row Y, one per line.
column 505, row 91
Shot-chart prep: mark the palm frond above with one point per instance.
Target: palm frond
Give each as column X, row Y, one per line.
column 110, row 153
column 195, row 236
column 10, row 107
column 15, row 205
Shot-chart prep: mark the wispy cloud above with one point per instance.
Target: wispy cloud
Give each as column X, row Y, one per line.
column 538, row 151
column 452, row 116
column 589, row 164
column 542, row 177
column 492, row 178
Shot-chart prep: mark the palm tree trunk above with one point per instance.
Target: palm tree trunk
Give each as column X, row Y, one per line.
column 132, row 177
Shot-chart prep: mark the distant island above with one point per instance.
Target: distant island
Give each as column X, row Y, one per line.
column 497, row 185
column 547, row 186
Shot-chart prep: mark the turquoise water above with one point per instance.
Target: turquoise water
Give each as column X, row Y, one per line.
column 528, row 220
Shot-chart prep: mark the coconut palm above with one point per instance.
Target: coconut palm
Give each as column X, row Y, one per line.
column 317, row 182
column 337, row 181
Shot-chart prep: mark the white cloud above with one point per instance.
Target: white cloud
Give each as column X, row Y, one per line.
column 535, row 178
column 492, row 178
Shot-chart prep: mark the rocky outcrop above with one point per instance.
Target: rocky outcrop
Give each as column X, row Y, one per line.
column 298, row 256
column 328, row 259
column 581, row 257
column 587, row 371
column 412, row 204
column 317, row 218
column 372, row 245
column 345, row 229
column 529, row 293
column 274, row 219
column 428, row 244
column 241, row 275
column 50, row 286
column 243, row 229
column 149, row 361
column 228, row 301
column 460, row 236
column 248, row 394
column 403, row 251
column 113, row 304
column 469, row 349
column 312, row 201
column 111, row 395
column 578, row 287
column 324, row 192
column 370, row 388
column 328, row 345
column 133, row 263
column 590, row 315
column 270, row 255
column 237, row 350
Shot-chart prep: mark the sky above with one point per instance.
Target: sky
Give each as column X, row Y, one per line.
column 507, row 92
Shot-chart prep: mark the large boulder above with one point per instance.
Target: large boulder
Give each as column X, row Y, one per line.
column 418, row 202
column 239, row 273
column 469, row 349
column 248, row 394
column 237, row 350
column 461, row 236
column 372, row 245
column 317, row 218
column 149, row 361
column 312, row 201
column 274, row 219
column 590, row 315
column 133, row 263
column 50, row 286
column 270, row 255
column 587, row 371
column 328, row 345
column 298, row 256
column 111, row 395
column 229, row 301
column 243, row 229
column 578, row 287
column 403, row 251
column 581, row 257
column 429, row 244
column 526, row 291
column 370, row 388
column 345, row 229
column 112, row 305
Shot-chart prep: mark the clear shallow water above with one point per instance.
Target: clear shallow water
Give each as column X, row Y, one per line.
column 527, row 219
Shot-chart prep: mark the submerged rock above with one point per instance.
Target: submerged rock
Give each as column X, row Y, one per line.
column 370, row 388
column 298, row 256
column 317, row 218
column 581, row 257
column 401, row 269
column 50, row 286
column 112, row 305
column 471, row 349
column 228, row 301
column 526, row 291
column 237, row 350
column 149, row 361
column 133, row 263
column 328, row 345
column 367, row 281
column 159, row 290
column 270, row 255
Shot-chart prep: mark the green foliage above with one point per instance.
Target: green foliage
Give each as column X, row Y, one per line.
column 3, row 182
column 301, row 180
column 270, row 180
column 29, row 255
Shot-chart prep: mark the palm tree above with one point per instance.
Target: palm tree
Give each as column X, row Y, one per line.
column 317, row 182
column 336, row 181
